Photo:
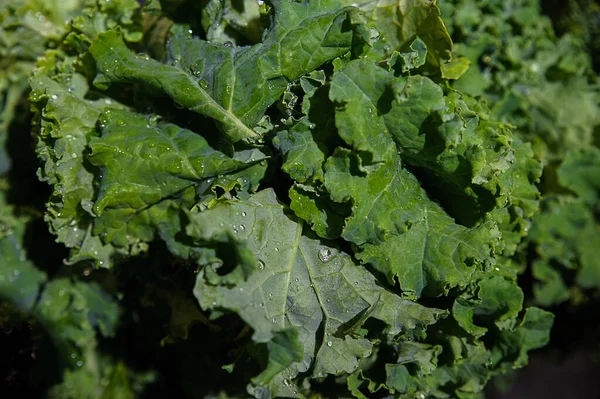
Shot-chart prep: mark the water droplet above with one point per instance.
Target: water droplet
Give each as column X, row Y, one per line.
column 244, row 214
column 73, row 355
column 276, row 249
column 79, row 363
column 270, row 296
column 228, row 44
column 214, row 303
column 54, row 97
column 242, row 227
column 261, row 265
column 203, row 84
column 325, row 255
column 329, row 343
column 262, row 305
column 296, row 280
column 274, row 320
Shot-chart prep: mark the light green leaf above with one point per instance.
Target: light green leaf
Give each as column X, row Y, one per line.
column 232, row 21
column 401, row 21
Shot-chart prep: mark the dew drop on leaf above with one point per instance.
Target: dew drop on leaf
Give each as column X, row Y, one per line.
column 329, row 343
column 261, row 265
column 325, row 255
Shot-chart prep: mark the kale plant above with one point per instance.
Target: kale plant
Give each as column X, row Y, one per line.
column 289, row 199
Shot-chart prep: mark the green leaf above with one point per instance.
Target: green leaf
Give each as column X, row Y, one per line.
column 496, row 300
column 357, row 101
column 465, row 160
column 456, row 68
column 580, row 173
column 532, row 332
column 401, row 232
column 325, row 217
column 401, row 21
column 549, row 288
column 68, row 122
column 414, row 58
column 248, row 79
column 149, row 170
column 284, row 350
column 303, row 159
column 232, row 21
column 564, row 232
column 20, row 280
column 299, row 283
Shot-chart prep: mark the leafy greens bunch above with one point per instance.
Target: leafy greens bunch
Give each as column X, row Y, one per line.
column 279, row 199
column 546, row 87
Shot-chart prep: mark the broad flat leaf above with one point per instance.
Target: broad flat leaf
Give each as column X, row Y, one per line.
column 401, row 232
column 149, row 170
column 234, row 86
column 300, row 283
